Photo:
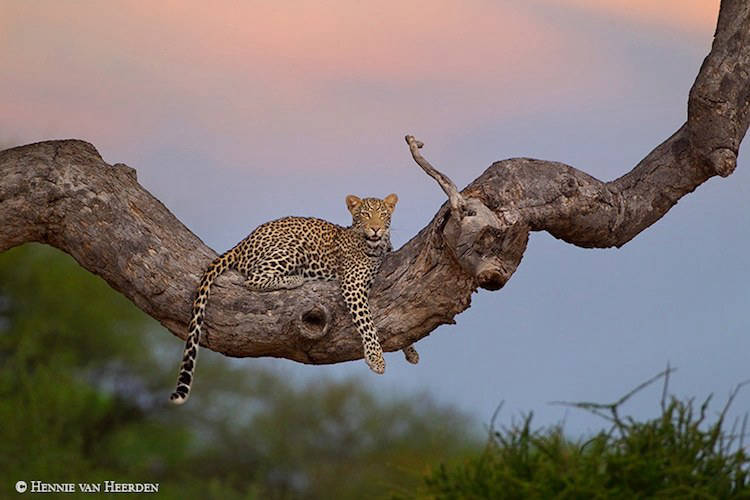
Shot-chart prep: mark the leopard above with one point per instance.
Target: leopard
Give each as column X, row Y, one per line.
column 285, row 253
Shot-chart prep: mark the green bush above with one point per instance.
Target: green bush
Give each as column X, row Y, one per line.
column 676, row 455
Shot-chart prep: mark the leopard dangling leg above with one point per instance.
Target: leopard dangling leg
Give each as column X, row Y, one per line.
column 411, row 354
column 355, row 291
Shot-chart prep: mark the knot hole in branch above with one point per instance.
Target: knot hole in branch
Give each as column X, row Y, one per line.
column 314, row 323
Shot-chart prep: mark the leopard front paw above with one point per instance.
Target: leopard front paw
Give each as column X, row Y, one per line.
column 376, row 362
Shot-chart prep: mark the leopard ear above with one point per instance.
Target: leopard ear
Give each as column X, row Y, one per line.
column 391, row 201
column 352, row 202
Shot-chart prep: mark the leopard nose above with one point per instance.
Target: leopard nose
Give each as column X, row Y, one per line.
column 377, row 231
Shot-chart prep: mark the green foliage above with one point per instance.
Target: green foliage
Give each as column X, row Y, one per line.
column 84, row 378
column 676, row 455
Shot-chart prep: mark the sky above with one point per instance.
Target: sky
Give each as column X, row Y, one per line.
column 255, row 110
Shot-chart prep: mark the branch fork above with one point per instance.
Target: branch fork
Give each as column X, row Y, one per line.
column 488, row 247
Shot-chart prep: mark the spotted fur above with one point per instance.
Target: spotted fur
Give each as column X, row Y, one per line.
column 285, row 253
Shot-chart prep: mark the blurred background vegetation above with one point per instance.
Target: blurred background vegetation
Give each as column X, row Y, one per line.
column 84, row 379
column 84, row 382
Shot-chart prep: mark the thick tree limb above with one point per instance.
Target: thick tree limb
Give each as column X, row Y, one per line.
column 63, row 193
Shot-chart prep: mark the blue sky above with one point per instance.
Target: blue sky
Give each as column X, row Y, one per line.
column 261, row 110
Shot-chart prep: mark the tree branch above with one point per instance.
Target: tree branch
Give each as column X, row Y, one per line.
column 454, row 197
column 62, row 193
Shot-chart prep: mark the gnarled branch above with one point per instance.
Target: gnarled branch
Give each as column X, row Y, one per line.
column 455, row 199
column 63, row 193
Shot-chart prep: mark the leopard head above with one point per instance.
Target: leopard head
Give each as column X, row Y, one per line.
column 371, row 217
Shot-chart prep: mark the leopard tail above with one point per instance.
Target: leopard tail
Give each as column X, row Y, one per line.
column 190, row 355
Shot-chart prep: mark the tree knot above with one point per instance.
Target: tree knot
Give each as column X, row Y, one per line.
column 723, row 161
column 314, row 323
column 568, row 185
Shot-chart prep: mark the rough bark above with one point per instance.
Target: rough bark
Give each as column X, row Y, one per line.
column 63, row 193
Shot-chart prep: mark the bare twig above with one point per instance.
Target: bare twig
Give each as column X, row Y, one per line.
column 665, row 390
column 732, row 395
column 456, row 200
column 596, row 408
column 492, row 429
column 645, row 384
column 743, row 433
